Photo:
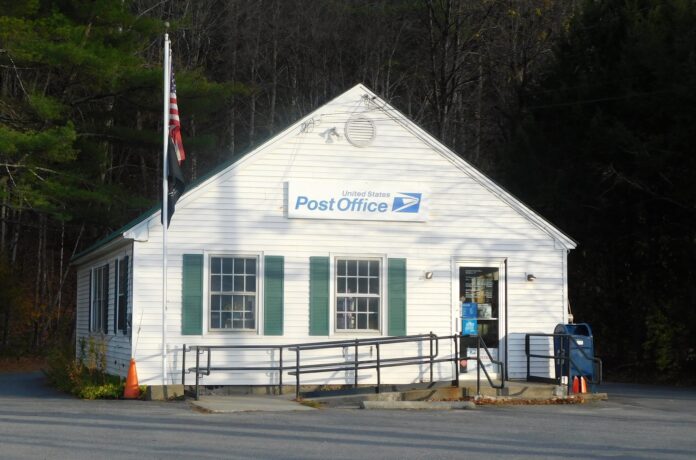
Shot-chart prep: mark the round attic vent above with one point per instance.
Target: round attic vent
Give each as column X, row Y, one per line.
column 360, row 131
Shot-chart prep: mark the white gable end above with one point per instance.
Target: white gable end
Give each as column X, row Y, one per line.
column 318, row 147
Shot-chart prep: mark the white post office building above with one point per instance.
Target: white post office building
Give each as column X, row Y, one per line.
column 352, row 223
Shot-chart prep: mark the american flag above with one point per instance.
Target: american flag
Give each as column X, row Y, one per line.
column 174, row 124
column 175, row 154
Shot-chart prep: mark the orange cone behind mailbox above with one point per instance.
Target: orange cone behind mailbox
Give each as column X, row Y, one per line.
column 132, row 389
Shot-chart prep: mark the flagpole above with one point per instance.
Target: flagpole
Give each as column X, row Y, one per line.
column 165, row 204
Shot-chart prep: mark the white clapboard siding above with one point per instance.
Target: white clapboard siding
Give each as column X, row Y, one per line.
column 243, row 210
column 118, row 346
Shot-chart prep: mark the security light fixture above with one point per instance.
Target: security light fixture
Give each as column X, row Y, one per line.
column 428, row 275
column 530, row 277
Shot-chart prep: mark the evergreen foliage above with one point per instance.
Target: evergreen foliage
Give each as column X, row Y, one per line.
column 607, row 153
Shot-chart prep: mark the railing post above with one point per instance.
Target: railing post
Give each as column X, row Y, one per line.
column 198, row 359
column 567, row 360
column 183, row 367
column 280, row 376
column 431, row 357
column 297, row 372
column 456, row 358
column 356, row 363
column 207, row 372
column 379, row 376
column 478, row 365
column 526, row 351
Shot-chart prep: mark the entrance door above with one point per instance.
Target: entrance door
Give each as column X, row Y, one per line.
column 480, row 311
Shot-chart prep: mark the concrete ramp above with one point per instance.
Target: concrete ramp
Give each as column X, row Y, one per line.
column 247, row 403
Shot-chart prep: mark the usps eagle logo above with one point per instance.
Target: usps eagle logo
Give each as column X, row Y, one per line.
column 406, row 202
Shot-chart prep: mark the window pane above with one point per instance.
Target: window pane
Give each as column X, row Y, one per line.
column 374, row 286
column 362, row 267
column 238, row 303
column 352, row 285
column 215, row 302
column 238, row 323
column 362, row 285
column 374, row 268
column 352, row 267
column 227, row 265
column 238, row 266
column 227, row 283
column 226, row 302
column 374, row 323
column 251, row 284
column 251, row 266
column 341, row 286
column 215, row 283
column 374, row 305
column 362, row 321
column 362, row 304
column 239, row 284
column 215, row 265
column 250, row 302
column 341, row 267
column 215, row 320
column 342, row 304
column 226, row 320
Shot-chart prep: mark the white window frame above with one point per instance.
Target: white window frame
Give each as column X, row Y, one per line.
column 95, row 320
column 207, row 288
column 333, row 286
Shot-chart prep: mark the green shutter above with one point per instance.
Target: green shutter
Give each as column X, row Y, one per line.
column 105, row 300
column 192, row 295
column 273, row 295
column 318, row 296
column 397, row 296
column 91, row 296
column 116, row 286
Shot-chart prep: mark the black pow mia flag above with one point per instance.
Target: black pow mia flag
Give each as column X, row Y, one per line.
column 175, row 180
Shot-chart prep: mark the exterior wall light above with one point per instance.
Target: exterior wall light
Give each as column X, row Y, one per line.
column 428, row 275
column 530, row 277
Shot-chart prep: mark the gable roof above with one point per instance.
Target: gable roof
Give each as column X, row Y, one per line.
column 126, row 232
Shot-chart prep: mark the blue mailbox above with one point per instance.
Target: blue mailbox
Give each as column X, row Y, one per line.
column 578, row 343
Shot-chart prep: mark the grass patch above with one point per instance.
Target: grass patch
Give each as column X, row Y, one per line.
column 310, row 403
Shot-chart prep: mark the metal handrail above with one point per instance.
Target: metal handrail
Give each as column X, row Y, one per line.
column 562, row 359
column 355, row 365
column 297, row 369
column 479, row 366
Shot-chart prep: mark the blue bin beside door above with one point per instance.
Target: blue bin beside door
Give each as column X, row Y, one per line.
column 580, row 347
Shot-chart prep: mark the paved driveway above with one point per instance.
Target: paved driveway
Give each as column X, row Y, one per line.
column 637, row 422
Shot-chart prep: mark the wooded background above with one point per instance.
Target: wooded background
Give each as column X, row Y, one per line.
column 583, row 109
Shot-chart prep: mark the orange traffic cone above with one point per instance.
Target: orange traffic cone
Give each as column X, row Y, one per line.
column 583, row 385
column 132, row 390
column 576, row 385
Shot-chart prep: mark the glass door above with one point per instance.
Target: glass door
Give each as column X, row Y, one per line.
column 480, row 310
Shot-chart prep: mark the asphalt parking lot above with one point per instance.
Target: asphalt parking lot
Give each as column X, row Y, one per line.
column 637, row 422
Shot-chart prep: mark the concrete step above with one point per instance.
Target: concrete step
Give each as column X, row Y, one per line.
column 512, row 390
